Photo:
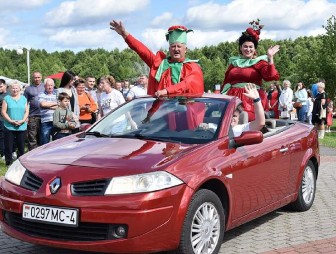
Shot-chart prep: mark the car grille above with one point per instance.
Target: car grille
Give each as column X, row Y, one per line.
column 89, row 188
column 84, row 232
column 30, row 181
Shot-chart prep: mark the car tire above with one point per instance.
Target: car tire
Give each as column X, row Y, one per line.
column 307, row 190
column 204, row 224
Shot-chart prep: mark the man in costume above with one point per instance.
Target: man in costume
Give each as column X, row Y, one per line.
column 169, row 74
column 250, row 68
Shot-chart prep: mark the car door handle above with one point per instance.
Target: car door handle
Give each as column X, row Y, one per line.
column 282, row 150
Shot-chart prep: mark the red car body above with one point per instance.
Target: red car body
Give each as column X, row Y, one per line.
column 252, row 175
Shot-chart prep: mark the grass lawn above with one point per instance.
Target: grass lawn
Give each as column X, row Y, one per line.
column 330, row 137
column 3, row 168
column 329, row 140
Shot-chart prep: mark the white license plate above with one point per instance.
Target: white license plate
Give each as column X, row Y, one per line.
column 49, row 214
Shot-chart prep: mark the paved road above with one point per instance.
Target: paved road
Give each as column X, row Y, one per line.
column 281, row 231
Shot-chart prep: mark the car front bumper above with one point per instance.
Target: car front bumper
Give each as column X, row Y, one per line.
column 154, row 220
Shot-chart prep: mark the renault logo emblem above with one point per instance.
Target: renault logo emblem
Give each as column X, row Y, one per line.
column 55, row 185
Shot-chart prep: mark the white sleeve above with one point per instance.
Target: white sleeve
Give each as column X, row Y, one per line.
column 131, row 94
column 240, row 128
column 120, row 98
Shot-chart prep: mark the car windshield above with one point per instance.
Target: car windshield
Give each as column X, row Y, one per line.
column 179, row 119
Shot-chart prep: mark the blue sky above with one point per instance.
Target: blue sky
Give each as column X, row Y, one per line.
column 80, row 24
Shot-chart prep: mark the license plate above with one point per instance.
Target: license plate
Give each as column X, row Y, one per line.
column 49, row 214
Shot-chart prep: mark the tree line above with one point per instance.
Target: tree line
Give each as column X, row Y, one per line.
column 304, row 59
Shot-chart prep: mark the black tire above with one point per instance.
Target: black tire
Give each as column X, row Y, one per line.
column 307, row 190
column 210, row 225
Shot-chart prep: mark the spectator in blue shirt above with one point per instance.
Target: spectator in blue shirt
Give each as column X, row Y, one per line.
column 15, row 112
column 314, row 87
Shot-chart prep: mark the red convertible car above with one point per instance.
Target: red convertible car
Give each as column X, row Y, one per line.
column 148, row 178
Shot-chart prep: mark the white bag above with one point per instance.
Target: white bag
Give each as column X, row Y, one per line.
column 284, row 114
column 323, row 113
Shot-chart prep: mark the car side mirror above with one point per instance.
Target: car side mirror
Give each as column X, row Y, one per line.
column 247, row 138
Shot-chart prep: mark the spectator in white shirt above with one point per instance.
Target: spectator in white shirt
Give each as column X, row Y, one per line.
column 140, row 89
column 286, row 100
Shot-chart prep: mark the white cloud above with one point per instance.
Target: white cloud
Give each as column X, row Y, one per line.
column 155, row 38
column 81, row 24
column 289, row 14
column 4, row 35
column 200, row 39
column 162, row 19
column 84, row 12
column 16, row 5
column 104, row 38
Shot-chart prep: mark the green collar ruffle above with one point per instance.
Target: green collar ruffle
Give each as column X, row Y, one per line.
column 238, row 61
column 176, row 68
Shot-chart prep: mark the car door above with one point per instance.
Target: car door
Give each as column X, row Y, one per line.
column 259, row 175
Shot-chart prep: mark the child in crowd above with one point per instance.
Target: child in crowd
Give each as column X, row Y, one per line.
column 310, row 104
column 64, row 120
column 330, row 109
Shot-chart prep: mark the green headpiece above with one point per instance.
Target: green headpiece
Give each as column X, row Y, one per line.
column 177, row 34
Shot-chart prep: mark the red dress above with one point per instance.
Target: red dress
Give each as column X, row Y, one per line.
column 252, row 73
column 330, row 115
column 191, row 79
column 274, row 101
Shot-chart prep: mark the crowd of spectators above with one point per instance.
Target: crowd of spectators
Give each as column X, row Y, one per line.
column 40, row 112
column 306, row 105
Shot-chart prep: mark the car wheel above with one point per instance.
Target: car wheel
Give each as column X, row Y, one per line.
column 203, row 227
column 306, row 193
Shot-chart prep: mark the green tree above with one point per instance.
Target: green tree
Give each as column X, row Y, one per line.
column 303, row 59
column 328, row 57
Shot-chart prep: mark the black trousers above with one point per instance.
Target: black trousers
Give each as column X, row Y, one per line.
column 34, row 131
column 9, row 137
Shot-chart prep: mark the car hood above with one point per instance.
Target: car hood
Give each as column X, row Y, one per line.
column 105, row 152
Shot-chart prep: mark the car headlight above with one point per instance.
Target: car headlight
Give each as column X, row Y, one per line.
column 15, row 172
column 142, row 183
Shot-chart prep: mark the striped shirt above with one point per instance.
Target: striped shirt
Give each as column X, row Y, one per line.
column 47, row 113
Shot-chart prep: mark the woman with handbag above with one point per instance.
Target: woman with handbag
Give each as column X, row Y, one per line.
column 300, row 103
column 319, row 110
column 285, row 100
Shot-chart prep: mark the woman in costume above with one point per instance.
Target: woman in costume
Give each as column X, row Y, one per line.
column 250, row 68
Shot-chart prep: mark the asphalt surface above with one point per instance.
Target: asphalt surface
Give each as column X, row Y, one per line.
column 281, row 231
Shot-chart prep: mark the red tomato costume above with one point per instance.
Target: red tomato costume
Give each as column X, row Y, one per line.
column 245, row 70
column 254, row 73
column 191, row 77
